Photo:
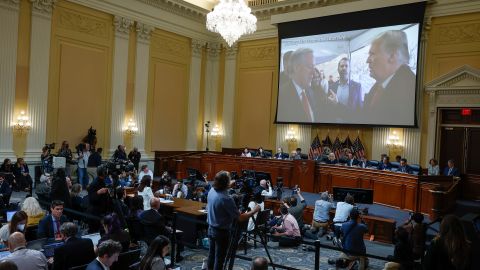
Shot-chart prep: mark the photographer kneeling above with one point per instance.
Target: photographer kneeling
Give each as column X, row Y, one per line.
column 288, row 229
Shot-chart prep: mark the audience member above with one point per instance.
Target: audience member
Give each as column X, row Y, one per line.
column 385, row 164
column 98, row 198
column 49, row 226
column 296, row 209
column 8, row 265
column 451, row 170
column 22, row 175
column 417, row 234
column 259, row 263
column 221, row 213
column 262, row 188
column 200, row 195
column 5, row 192
column 75, row 251
column 134, row 156
column 77, row 200
column 145, row 171
column 94, row 161
column 353, row 244
column 154, row 259
column 145, row 191
column 120, row 154
column 288, row 229
column 17, row 224
column 60, row 189
column 24, row 258
column 65, row 152
column 402, row 258
column 450, row 249
column 257, row 199
column 433, row 168
column 404, row 167
column 113, row 231
column 108, row 253
column 34, row 212
column 321, row 213
column 120, row 207
column 136, row 206
column 44, row 188
column 180, row 190
column 246, row 153
column 8, row 172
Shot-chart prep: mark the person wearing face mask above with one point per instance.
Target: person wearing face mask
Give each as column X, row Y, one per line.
column 17, row 224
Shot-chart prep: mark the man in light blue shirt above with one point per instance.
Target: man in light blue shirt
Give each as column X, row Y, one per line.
column 321, row 214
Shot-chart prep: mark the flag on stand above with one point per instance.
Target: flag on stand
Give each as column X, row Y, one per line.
column 358, row 149
column 326, row 145
column 337, row 148
column 347, row 144
column 315, row 148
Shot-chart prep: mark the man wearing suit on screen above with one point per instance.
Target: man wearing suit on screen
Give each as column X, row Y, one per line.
column 346, row 92
column 395, row 82
column 296, row 101
column 450, row 170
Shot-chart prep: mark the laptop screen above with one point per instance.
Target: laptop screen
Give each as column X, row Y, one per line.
column 10, row 215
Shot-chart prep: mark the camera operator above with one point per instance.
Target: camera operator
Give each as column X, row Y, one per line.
column 94, row 161
column 83, row 152
column 296, row 209
column 120, row 154
column 353, row 243
column 262, row 188
column 98, row 198
column 65, row 152
column 134, row 156
column 221, row 213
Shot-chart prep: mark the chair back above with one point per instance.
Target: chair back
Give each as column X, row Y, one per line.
column 395, row 164
column 416, row 169
column 31, row 233
column 126, row 259
column 135, row 229
column 373, row 163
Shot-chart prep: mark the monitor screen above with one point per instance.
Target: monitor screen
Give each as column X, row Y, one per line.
column 361, row 195
column 10, row 215
column 351, row 69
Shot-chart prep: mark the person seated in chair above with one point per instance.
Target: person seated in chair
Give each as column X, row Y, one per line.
column 351, row 160
column 353, row 243
column 23, row 257
column 246, row 153
column 180, row 190
column 297, row 154
column 404, row 167
column 331, row 159
column 385, row 165
column 108, row 253
column 5, row 192
column 261, row 153
column 280, row 154
column 288, row 229
column 75, row 252
column 49, row 226
column 451, row 170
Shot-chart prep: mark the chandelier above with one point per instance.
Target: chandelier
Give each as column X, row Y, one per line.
column 231, row 19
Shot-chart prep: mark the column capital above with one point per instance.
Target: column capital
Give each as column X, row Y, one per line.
column 144, row 31
column 122, row 26
column 214, row 49
column 427, row 25
column 197, row 46
column 43, row 7
column 10, row 4
column 231, row 52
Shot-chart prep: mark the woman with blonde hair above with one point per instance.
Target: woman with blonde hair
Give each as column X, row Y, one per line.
column 34, row 212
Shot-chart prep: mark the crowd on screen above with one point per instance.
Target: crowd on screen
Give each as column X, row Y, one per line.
column 68, row 206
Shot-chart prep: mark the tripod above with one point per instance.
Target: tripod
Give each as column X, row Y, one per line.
column 241, row 228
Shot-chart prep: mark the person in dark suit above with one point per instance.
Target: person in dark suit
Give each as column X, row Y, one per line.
column 280, row 154
column 98, row 198
column 296, row 101
column 393, row 94
column 76, row 251
column 50, row 225
column 261, row 153
column 5, row 192
column 450, row 170
column 346, row 92
column 284, row 75
column 331, row 159
column 108, row 253
column 351, row 160
column 404, row 167
column 385, row 165
column 59, row 190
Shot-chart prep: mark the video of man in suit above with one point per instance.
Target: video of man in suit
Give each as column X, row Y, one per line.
column 365, row 77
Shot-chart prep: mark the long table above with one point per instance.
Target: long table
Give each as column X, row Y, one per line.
column 434, row 196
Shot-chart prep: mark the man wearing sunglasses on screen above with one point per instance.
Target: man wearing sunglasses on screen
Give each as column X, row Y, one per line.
column 394, row 89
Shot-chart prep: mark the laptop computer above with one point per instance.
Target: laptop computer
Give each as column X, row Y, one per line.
column 49, row 249
column 94, row 237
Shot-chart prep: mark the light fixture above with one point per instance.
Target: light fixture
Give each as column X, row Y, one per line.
column 131, row 128
column 216, row 133
column 393, row 141
column 22, row 124
column 291, row 137
column 231, row 19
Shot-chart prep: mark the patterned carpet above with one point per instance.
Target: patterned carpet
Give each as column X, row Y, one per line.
column 293, row 257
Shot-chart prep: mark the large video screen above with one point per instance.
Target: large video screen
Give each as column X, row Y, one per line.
column 363, row 76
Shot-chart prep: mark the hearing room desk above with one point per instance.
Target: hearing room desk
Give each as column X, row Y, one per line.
column 434, row 196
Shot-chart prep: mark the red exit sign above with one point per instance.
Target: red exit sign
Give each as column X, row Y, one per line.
column 466, row 112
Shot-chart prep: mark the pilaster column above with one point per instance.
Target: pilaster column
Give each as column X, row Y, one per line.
column 211, row 85
column 379, row 142
column 229, row 95
column 120, row 65
column 411, row 145
column 194, row 94
column 38, row 77
column 9, row 10
column 141, row 85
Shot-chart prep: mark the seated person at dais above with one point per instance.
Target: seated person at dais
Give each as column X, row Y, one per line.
column 331, row 159
column 451, row 170
column 280, row 154
column 404, row 167
column 261, row 153
column 351, row 160
column 385, row 165
column 246, row 153
column 297, row 154
column 433, row 168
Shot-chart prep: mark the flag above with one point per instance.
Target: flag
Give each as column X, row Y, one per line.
column 347, row 145
column 358, row 148
column 327, row 145
column 315, row 148
column 337, row 147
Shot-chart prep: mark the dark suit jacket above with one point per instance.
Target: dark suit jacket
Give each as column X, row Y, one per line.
column 454, row 172
column 393, row 100
column 328, row 161
column 75, row 252
column 281, row 155
column 154, row 224
column 45, row 226
column 354, row 94
column 290, row 107
column 94, row 265
column 351, row 162
column 405, row 169
column 59, row 191
column 383, row 166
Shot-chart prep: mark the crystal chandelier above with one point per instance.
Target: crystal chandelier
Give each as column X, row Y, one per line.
column 231, row 19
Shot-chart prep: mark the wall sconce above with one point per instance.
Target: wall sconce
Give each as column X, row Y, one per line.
column 393, row 141
column 291, row 137
column 131, row 128
column 216, row 133
column 23, row 124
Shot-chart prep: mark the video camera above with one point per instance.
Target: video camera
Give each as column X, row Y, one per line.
column 50, row 146
column 119, row 166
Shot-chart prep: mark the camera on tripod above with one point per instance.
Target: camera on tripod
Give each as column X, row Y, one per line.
column 50, row 146
column 119, row 166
